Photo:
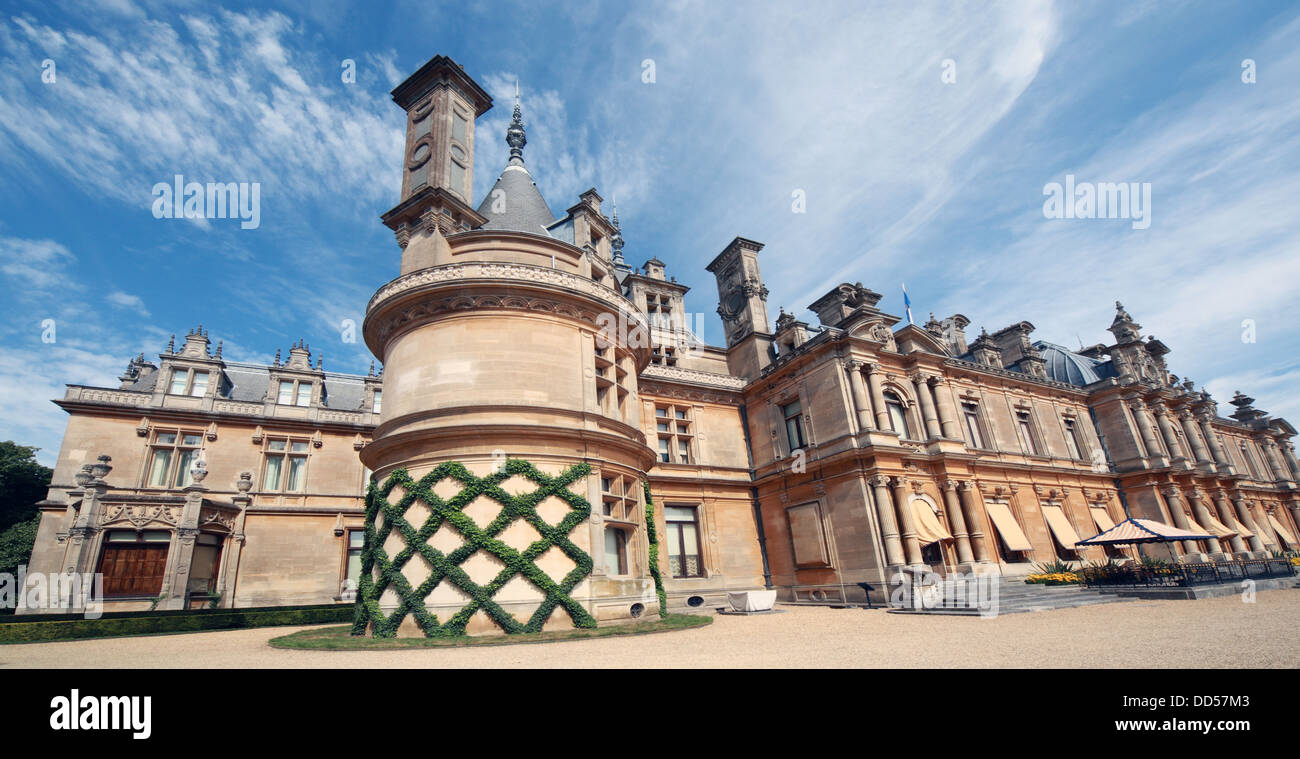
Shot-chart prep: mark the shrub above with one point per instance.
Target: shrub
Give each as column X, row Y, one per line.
column 35, row 629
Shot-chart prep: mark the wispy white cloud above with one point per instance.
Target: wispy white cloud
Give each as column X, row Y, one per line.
column 127, row 301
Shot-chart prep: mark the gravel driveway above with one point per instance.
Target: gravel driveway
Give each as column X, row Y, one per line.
column 1217, row 632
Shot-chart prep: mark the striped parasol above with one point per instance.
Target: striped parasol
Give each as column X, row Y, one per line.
column 1132, row 531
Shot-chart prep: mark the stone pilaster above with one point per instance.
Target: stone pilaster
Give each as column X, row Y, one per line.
column 1248, row 521
column 947, row 413
column 1225, row 515
column 958, row 521
column 911, row 543
column 974, row 522
column 922, row 384
column 888, row 523
column 857, row 388
column 876, row 387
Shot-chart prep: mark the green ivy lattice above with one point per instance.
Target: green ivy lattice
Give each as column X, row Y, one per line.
column 446, row 567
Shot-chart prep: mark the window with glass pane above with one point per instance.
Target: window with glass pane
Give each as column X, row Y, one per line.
column 179, row 379
column 673, row 423
column 897, row 416
column 615, row 551
column 199, row 383
column 356, row 539
column 1026, row 432
column 1072, row 439
column 970, row 412
column 793, row 425
column 286, row 465
column 286, row 393
column 304, row 394
column 684, row 557
column 171, row 455
column 379, row 400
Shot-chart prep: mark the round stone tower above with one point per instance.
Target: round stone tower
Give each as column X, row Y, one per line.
column 509, row 460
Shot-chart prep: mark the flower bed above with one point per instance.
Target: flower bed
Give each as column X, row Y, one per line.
column 1054, row 578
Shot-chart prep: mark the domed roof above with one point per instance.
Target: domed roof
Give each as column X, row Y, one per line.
column 1063, row 365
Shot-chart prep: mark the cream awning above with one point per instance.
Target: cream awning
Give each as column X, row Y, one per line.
column 1061, row 526
column 1241, row 529
column 1282, row 531
column 928, row 527
column 1216, row 528
column 1101, row 517
column 1195, row 527
column 1008, row 527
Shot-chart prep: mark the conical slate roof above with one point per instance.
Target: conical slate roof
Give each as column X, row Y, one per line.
column 514, row 203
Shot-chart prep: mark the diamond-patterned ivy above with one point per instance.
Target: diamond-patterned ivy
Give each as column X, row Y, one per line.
column 446, row 567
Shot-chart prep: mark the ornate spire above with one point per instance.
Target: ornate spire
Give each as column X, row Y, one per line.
column 616, row 240
column 515, row 137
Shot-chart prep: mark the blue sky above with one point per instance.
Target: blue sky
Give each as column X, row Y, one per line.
column 906, row 177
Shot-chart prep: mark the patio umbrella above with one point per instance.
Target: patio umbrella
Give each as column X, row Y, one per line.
column 1137, row 531
column 1140, row 531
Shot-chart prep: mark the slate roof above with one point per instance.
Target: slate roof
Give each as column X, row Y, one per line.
column 523, row 209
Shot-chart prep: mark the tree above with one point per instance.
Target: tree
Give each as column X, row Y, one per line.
column 23, row 482
column 16, row 545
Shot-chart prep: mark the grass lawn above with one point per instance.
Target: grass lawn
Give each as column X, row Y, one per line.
column 340, row 639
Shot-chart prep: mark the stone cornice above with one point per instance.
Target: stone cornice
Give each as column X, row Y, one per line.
column 694, row 377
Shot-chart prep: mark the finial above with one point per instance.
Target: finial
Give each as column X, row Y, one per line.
column 219, row 348
column 277, row 356
column 171, row 344
column 320, row 361
column 371, row 373
column 616, row 240
column 515, row 136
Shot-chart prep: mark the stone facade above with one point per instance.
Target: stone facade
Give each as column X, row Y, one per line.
column 805, row 458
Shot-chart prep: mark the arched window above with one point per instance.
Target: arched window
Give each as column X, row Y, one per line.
column 897, row 416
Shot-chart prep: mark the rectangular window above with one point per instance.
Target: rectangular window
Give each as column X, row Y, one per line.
column 793, row 425
column 199, row 383
column 1025, row 430
column 673, row 423
column 286, row 465
column 294, row 393
column 379, row 400
column 187, row 382
column 133, row 563
column 171, row 455
column 615, row 551
column 971, row 415
column 684, row 557
column 619, row 498
column 356, row 540
column 1072, row 441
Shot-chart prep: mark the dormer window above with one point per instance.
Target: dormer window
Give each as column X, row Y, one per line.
column 188, row 382
column 379, row 401
column 294, row 393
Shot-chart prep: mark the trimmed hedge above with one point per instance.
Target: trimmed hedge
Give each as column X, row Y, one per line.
column 39, row 628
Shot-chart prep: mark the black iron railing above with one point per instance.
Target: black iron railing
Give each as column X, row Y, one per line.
column 1184, row 575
